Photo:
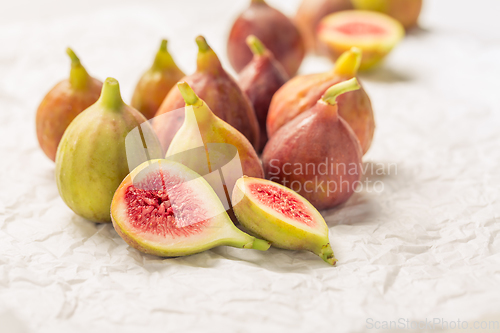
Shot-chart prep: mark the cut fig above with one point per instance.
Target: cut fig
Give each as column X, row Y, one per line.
column 281, row 216
column 374, row 33
column 166, row 209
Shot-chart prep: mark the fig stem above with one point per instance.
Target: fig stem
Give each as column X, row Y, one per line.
column 110, row 94
column 261, row 245
column 330, row 96
column 78, row 76
column 187, row 93
column 255, row 45
column 348, row 62
column 207, row 60
column 326, row 253
column 202, row 44
column 258, row 1
column 163, row 59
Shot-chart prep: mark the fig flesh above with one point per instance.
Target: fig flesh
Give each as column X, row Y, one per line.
column 281, row 216
column 165, row 209
column 91, row 159
column 376, row 34
column 310, row 13
column 274, row 29
column 302, row 93
column 405, row 11
column 211, row 147
column 156, row 82
column 259, row 80
column 63, row 103
column 218, row 89
column 317, row 154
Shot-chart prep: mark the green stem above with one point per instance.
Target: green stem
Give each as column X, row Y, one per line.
column 255, row 45
column 188, row 94
column 78, row 76
column 110, row 95
column 163, row 59
column 258, row 2
column 326, row 253
column 207, row 60
column 330, row 96
column 202, row 44
column 348, row 63
column 261, row 245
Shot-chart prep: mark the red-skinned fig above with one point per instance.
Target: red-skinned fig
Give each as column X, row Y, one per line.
column 218, row 90
column 302, row 93
column 63, row 103
column 156, row 82
column 310, row 13
column 273, row 29
column 91, row 159
column 259, row 80
column 166, row 209
column 317, row 154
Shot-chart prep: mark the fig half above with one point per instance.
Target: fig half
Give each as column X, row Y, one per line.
column 166, row 209
column 281, row 216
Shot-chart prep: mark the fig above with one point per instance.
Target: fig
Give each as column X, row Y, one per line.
column 156, row 82
column 259, row 80
column 376, row 34
column 281, row 216
column 302, row 92
column 317, row 154
column 310, row 12
column 220, row 143
column 274, row 29
column 91, row 159
column 405, row 11
column 63, row 103
column 166, row 209
column 218, row 89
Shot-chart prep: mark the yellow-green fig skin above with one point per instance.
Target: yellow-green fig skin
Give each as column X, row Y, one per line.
column 405, row 11
column 91, row 159
column 156, row 82
column 63, row 103
column 273, row 228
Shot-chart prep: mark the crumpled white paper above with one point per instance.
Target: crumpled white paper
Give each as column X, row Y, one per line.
column 425, row 246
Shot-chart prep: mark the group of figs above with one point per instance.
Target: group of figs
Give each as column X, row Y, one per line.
column 260, row 152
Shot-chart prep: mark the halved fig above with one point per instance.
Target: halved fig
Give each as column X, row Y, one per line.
column 165, row 209
column 374, row 33
column 281, row 216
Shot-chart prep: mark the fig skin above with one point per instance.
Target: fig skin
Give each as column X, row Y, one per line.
column 259, row 80
column 214, row 231
column 156, row 82
column 218, row 90
column 63, row 103
column 274, row 29
column 91, row 159
column 310, row 13
column 302, row 93
column 405, row 11
column 317, row 136
column 282, row 231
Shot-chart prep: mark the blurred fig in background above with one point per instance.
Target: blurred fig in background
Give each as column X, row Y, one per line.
column 274, row 30
column 259, row 80
column 302, row 92
column 156, row 82
column 63, row 103
column 376, row 34
column 220, row 92
column 405, row 11
column 309, row 14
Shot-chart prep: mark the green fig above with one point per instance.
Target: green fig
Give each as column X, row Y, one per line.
column 91, row 159
column 281, row 216
column 63, row 103
column 156, row 82
column 166, row 209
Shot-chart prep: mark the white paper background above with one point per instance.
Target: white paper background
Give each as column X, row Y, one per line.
column 427, row 246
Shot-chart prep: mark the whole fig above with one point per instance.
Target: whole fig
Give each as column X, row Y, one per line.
column 259, row 80
column 63, row 103
column 274, row 29
column 218, row 90
column 156, row 82
column 91, row 159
